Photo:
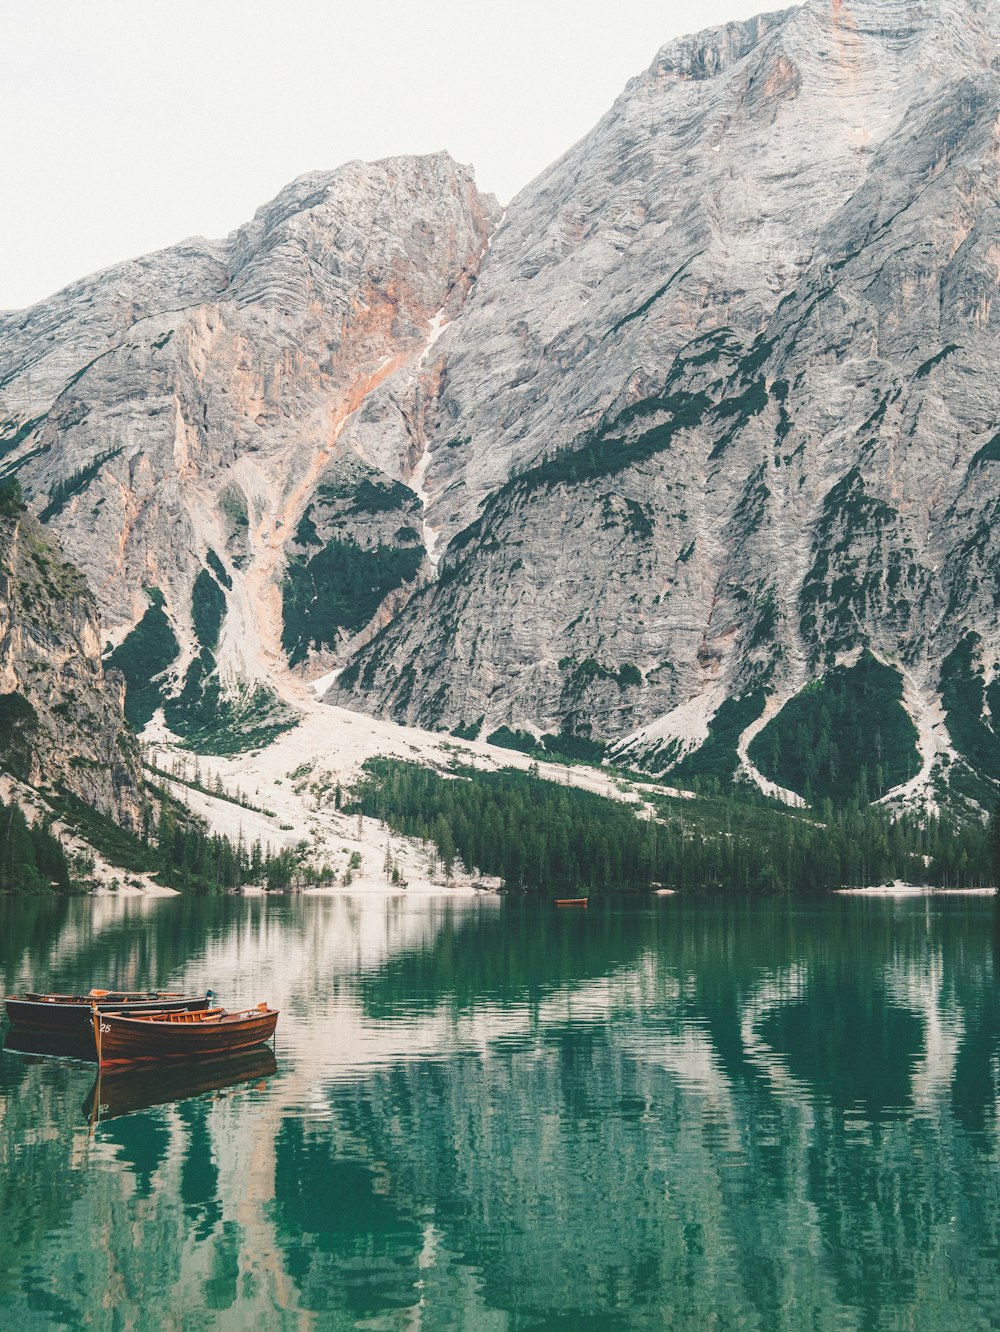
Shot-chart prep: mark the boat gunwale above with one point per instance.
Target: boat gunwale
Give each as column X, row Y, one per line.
column 99, row 996
column 150, row 1039
column 24, row 1012
column 208, row 1018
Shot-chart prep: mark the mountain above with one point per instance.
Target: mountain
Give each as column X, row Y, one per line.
column 179, row 420
column 689, row 453
column 721, row 411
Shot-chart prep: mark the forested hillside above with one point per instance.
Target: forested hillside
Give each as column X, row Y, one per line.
column 544, row 837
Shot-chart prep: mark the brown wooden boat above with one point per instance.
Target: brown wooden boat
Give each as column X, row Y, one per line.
column 74, row 1012
column 571, row 901
column 128, row 1040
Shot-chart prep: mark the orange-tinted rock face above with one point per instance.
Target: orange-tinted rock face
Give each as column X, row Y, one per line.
column 240, row 396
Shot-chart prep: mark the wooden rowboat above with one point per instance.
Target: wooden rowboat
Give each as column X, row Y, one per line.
column 571, row 901
column 213, row 1031
column 73, row 1012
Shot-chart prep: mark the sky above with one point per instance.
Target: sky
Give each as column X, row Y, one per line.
column 128, row 125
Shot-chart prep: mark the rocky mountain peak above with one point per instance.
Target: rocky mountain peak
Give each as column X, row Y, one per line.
column 714, row 51
column 368, row 205
column 653, row 437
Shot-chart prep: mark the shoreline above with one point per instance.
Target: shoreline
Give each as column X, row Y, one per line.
column 907, row 890
column 367, row 888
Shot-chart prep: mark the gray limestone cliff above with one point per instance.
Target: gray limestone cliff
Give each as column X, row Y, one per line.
column 722, row 411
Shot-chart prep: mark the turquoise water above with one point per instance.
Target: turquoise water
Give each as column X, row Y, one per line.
column 498, row 1116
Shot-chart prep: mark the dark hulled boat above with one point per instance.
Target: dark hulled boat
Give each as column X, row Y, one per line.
column 73, row 1012
column 132, row 1039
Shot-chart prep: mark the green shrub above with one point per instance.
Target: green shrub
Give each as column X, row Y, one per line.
column 924, row 370
column 11, row 500
column 717, row 757
column 147, row 651
column 523, row 741
column 63, row 491
column 18, row 723
column 468, row 732
column 965, row 696
column 846, row 737
column 208, row 607
column 219, row 569
column 340, row 588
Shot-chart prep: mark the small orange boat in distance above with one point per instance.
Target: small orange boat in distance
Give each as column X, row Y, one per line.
column 158, row 1036
column 571, row 901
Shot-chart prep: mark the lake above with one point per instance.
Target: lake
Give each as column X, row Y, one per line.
column 489, row 1114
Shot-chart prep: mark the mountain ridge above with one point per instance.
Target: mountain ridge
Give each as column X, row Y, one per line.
column 705, row 415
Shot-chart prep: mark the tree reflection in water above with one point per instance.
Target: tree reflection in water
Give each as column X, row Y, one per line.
column 775, row 1114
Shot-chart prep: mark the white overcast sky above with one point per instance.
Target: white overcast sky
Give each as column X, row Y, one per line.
column 127, row 125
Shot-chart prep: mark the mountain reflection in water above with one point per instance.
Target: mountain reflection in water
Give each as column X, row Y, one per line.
column 762, row 1114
